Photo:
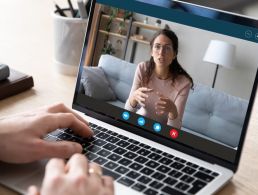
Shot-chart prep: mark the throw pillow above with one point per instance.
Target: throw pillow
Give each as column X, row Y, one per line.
column 96, row 84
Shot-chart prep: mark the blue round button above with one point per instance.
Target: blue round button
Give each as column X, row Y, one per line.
column 141, row 121
column 126, row 115
column 157, row 127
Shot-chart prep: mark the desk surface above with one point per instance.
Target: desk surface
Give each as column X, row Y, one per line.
column 26, row 44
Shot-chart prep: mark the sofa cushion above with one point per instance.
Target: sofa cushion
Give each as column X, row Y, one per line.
column 215, row 114
column 96, row 84
column 120, row 75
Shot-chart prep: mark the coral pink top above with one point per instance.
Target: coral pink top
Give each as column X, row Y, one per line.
column 176, row 91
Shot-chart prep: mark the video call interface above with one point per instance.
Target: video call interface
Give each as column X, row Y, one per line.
column 177, row 81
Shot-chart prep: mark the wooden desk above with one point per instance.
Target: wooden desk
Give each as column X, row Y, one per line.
column 26, row 44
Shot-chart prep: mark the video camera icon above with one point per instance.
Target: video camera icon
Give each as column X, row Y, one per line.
column 141, row 121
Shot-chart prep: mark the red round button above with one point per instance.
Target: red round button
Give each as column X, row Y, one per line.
column 173, row 133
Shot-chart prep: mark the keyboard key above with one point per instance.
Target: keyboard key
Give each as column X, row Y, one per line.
column 91, row 156
column 152, row 164
column 135, row 166
column 138, row 187
column 158, row 176
column 114, row 157
column 169, row 156
column 121, row 169
column 102, row 135
column 150, row 192
column 175, row 174
column 110, row 173
column 143, row 152
column 187, row 178
column 130, row 155
column 182, row 186
column 156, row 185
column 119, row 151
column 125, row 162
column 144, row 179
column 146, row 171
column 141, row 160
column 192, row 165
column 188, row 170
column 180, row 160
column 122, row 144
column 133, row 148
column 103, row 153
column 64, row 136
column 163, row 169
column 111, row 165
column 171, row 181
column 205, row 170
column 197, row 186
column 154, row 156
column 133, row 141
column 109, row 146
column 51, row 138
column 133, row 174
column 170, row 190
column 125, row 181
column 99, row 142
column 214, row 174
column 177, row 165
column 100, row 160
column 203, row 176
column 112, row 139
column 123, row 137
column 94, row 149
column 165, row 161
column 156, row 150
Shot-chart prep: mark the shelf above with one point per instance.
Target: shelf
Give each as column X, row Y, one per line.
column 115, row 19
column 147, row 26
column 140, row 41
column 112, row 34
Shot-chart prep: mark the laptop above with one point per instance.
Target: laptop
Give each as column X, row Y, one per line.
column 143, row 154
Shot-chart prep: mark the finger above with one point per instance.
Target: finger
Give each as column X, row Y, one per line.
column 33, row 190
column 143, row 95
column 161, row 103
column 145, row 89
column 163, row 99
column 60, row 149
column 95, row 171
column 60, row 107
column 141, row 103
column 160, row 108
column 141, row 99
column 54, row 167
column 65, row 120
column 77, row 165
column 108, row 182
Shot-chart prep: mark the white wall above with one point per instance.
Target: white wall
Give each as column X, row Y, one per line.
column 193, row 43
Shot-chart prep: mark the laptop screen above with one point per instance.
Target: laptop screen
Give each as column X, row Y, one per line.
column 174, row 70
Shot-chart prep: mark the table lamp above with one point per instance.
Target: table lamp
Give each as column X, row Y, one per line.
column 220, row 53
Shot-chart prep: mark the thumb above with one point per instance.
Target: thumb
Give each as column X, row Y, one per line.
column 33, row 190
column 60, row 149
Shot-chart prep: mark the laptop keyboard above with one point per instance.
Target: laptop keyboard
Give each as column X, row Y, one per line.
column 137, row 165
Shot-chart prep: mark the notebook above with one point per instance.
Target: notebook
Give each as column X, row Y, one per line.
column 190, row 146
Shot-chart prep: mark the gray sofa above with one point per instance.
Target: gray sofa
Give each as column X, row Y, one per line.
column 209, row 113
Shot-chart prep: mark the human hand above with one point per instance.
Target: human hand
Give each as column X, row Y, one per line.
column 165, row 105
column 21, row 135
column 139, row 96
column 74, row 178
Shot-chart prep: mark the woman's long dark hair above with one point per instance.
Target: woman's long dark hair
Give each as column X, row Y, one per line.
column 174, row 68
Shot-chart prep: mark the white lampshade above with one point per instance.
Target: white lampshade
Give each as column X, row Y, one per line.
column 220, row 53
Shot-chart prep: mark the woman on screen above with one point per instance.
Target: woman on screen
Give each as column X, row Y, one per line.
column 161, row 86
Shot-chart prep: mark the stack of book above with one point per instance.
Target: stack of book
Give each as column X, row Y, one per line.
column 17, row 82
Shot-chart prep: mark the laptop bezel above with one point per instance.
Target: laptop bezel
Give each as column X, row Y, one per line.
column 183, row 148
